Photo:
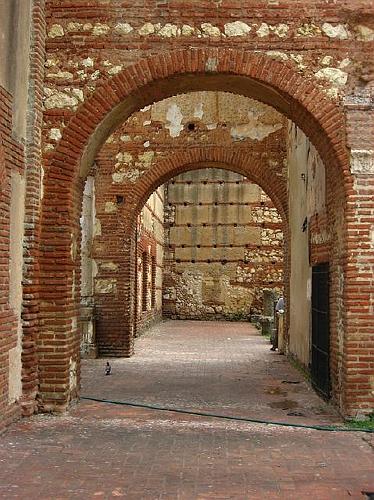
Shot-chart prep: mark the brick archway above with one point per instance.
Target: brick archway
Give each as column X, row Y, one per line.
column 145, row 82
column 251, row 166
column 171, row 73
column 117, row 316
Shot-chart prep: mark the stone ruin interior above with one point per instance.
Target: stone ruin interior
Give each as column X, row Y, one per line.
column 162, row 162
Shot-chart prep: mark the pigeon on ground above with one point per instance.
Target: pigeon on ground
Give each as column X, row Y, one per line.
column 108, row 369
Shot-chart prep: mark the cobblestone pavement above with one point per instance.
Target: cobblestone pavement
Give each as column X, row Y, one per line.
column 100, row 450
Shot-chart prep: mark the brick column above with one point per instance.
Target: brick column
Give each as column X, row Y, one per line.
column 59, row 337
column 32, row 210
column 114, row 253
column 358, row 359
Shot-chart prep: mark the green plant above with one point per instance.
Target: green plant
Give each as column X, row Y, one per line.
column 367, row 424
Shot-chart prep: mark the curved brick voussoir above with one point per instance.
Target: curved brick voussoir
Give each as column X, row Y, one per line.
column 164, row 75
column 149, row 80
column 254, row 168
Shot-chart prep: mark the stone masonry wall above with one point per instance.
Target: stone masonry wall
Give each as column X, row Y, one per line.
column 224, row 246
column 146, row 139
column 91, row 41
column 310, row 60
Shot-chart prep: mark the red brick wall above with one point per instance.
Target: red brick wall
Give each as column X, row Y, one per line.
column 11, row 159
column 109, row 257
column 112, row 256
column 34, row 180
column 357, row 364
column 146, row 313
column 311, row 101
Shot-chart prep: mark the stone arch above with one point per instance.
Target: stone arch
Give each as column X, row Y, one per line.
column 147, row 81
column 252, row 166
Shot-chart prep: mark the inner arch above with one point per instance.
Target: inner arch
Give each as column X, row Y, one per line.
column 173, row 86
column 274, row 84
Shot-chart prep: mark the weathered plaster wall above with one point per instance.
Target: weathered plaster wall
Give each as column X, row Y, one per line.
column 306, row 181
column 197, row 119
column 223, row 246
column 11, row 232
column 17, row 211
column 88, row 271
column 15, row 22
column 89, row 227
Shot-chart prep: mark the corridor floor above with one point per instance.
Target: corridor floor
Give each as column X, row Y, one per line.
column 101, row 450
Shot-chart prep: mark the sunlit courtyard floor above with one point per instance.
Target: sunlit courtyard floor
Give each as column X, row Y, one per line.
column 101, row 450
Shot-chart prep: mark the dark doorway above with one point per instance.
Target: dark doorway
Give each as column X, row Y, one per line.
column 321, row 329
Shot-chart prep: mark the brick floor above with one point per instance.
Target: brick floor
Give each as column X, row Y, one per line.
column 104, row 451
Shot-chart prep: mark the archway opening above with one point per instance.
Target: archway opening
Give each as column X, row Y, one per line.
column 223, row 246
column 156, row 138
column 116, row 108
column 227, row 235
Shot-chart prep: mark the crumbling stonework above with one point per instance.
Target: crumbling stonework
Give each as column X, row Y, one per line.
column 73, row 73
column 224, row 246
column 135, row 150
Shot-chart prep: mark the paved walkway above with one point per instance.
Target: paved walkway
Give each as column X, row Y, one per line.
column 104, row 451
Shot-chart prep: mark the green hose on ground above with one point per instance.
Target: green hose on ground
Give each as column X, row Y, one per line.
column 227, row 417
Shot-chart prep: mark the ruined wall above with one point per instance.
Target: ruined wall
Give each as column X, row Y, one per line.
column 307, row 203
column 150, row 136
column 202, row 119
column 15, row 20
column 224, row 246
column 108, row 254
column 90, row 43
column 150, row 255
column 326, row 46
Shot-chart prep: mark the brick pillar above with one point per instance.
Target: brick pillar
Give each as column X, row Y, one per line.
column 58, row 341
column 32, row 211
column 9, row 149
column 114, row 253
column 358, row 361
column 359, row 297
